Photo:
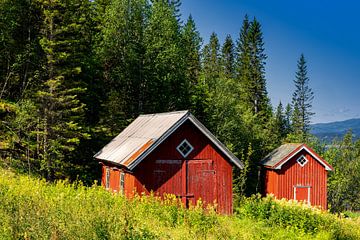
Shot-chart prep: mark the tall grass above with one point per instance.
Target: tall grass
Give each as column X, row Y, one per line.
column 33, row 209
column 297, row 216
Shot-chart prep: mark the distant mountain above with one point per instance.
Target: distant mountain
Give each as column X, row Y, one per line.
column 328, row 131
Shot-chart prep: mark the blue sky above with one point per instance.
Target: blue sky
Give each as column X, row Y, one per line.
column 327, row 32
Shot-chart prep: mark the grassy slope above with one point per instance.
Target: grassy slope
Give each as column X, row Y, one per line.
column 34, row 209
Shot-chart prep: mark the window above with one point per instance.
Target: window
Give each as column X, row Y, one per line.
column 184, row 148
column 122, row 182
column 302, row 160
column 107, row 178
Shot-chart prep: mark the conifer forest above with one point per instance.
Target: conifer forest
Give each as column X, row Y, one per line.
column 75, row 73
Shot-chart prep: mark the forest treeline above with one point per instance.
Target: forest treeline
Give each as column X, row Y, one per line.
column 74, row 73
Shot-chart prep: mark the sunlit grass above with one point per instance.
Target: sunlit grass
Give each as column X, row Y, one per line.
column 33, row 209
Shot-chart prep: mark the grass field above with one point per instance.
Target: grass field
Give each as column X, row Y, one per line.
column 33, row 209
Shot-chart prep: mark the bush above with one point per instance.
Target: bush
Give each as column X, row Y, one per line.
column 296, row 215
column 34, row 209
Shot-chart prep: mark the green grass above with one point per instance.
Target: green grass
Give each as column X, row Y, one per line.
column 352, row 214
column 33, row 209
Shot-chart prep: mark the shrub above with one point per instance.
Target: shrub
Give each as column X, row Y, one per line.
column 295, row 215
column 34, row 209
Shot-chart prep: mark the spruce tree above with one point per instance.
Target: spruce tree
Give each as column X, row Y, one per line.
column 191, row 46
column 302, row 101
column 280, row 122
column 251, row 69
column 228, row 58
column 60, row 112
column 243, row 59
column 257, row 86
column 288, row 115
column 211, row 62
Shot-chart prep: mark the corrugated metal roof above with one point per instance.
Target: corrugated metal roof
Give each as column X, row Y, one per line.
column 138, row 137
column 279, row 154
column 146, row 132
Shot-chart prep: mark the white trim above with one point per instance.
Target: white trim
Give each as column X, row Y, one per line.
column 308, row 188
column 216, row 142
column 122, row 182
column 187, row 142
column 107, row 177
column 302, row 157
column 309, row 151
column 133, row 164
column 202, row 128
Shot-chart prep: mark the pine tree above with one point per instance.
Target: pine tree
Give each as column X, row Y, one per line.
column 280, row 122
column 288, row 114
column 228, row 58
column 302, row 101
column 211, row 62
column 60, row 111
column 251, row 69
column 243, row 58
column 257, row 86
column 191, row 46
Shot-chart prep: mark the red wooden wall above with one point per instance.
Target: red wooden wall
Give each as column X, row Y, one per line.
column 205, row 173
column 281, row 182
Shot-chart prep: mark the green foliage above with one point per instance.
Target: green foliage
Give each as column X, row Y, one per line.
column 344, row 181
column 299, row 216
column 166, row 85
column 302, row 102
column 34, row 209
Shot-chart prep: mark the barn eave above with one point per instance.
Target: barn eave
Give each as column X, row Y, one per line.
column 202, row 128
column 279, row 165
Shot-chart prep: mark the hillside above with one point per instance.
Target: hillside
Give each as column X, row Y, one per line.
column 33, row 209
column 329, row 131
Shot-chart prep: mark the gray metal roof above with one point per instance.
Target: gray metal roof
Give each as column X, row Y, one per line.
column 279, row 154
column 145, row 133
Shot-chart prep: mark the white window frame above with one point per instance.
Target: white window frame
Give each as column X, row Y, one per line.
column 107, row 177
column 187, row 142
column 122, row 182
column 302, row 157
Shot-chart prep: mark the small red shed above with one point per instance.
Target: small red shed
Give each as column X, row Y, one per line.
column 295, row 171
column 170, row 153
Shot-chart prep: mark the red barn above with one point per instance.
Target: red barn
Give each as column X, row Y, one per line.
column 295, row 171
column 170, row 153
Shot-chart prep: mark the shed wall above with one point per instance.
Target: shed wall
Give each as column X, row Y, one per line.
column 282, row 182
column 173, row 179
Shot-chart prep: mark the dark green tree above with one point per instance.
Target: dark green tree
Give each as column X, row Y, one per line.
column 211, row 62
column 60, row 112
column 243, row 57
column 228, row 58
column 166, row 87
column 302, row 101
column 280, row 122
column 191, row 46
column 288, row 115
column 122, row 53
column 251, row 69
column 344, row 181
column 19, row 55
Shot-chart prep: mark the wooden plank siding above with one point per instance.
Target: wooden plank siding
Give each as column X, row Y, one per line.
column 281, row 182
column 204, row 174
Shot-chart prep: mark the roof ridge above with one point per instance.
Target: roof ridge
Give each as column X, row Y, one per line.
column 165, row 113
